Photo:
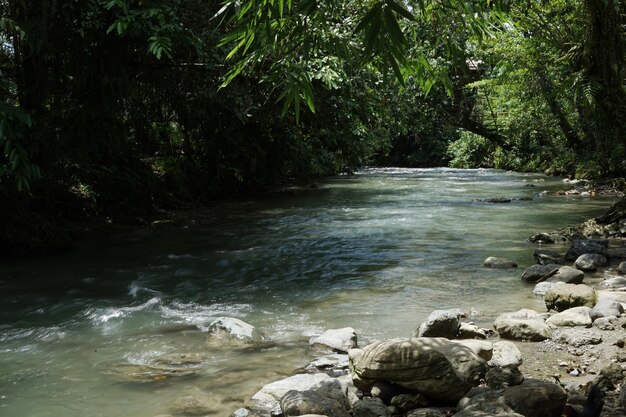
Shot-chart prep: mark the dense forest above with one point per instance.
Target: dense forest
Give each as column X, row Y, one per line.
column 111, row 109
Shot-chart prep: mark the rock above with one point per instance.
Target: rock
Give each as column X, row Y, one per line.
column 543, row 287
column 620, row 252
column 578, row 337
column 610, row 377
column 568, row 275
column 268, row 398
column 523, row 325
column 339, row 340
column 386, row 391
column 580, row 247
column 228, row 326
column 441, row 323
column 334, row 361
column 606, row 308
column 536, row 273
column 606, row 323
column 324, row 398
column 505, row 354
column 569, row 295
column 500, row 378
column 439, row 369
column 613, row 283
column 243, row 412
column 195, row 403
column 147, row 373
column 477, row 413
column 408, row 402
column 590, row 261
column 547, row 238
column 370, row 407
column 547, row 257
column 428, row 412
column 499, row 263
column 496, row 200
column 576, row 316
column 471, row 331
column 621, row 269
column 481, row 348
column 532, row 398
column 622, row 396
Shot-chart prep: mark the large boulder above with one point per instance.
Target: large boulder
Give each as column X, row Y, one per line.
column 499, row 263
column 325, row 398
column 568, row 275
column 590, row 261
column 580, row 247
column 537, row 273
column 569, row 295
column 522, row 325
column 532, row 398
column 499, row 378
column 339, row 340
column 441, row 323
column 621, row 268
column 606, row 308
column 576, row 316
column 437, row 368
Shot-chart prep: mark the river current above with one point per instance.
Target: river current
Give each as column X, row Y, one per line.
column 377, row 251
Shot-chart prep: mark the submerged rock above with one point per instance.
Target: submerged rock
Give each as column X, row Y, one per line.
column 269, row 396
column 547, row 257
column 195, row 403
column 339, row 340
column 147, row 373
column 606, row 308
column 439, row 369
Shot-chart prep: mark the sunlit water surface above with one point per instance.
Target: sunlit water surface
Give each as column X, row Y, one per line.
column 376, row 251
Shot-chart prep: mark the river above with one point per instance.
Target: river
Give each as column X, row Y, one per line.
column 376, row 251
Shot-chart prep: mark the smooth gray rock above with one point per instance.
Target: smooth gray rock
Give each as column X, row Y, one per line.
column 578, row 337
column 621, row 269
column 576, row 316
column 471, row 331
column 441, row 323
column 268, row 398
column 325, row 398
column 614, row 283
column 580, row 247
column 568, row 275
column 505, row 354
column 408, row 402
column 499, row 263
column 523, row 325
column 536, row 273
column 546, row 257
column 428, row 412
column 605, row 308
column 439, row 369
column 543, row 287
column 567, row 296
column 339, row 340
column 590, row 261
column 370, row 407
column 195, row 403
column 500, row 378
column 606, row 323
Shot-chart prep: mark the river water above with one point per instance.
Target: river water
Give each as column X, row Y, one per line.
column 376, row 251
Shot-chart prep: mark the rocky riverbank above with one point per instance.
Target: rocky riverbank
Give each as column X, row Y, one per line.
column 530, row 363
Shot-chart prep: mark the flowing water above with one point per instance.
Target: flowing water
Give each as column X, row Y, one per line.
column 376, row 251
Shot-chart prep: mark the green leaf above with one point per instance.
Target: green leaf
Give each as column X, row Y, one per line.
column 370, row 16
column 401, row 10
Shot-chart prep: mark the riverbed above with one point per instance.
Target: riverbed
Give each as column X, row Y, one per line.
column 377, row 251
